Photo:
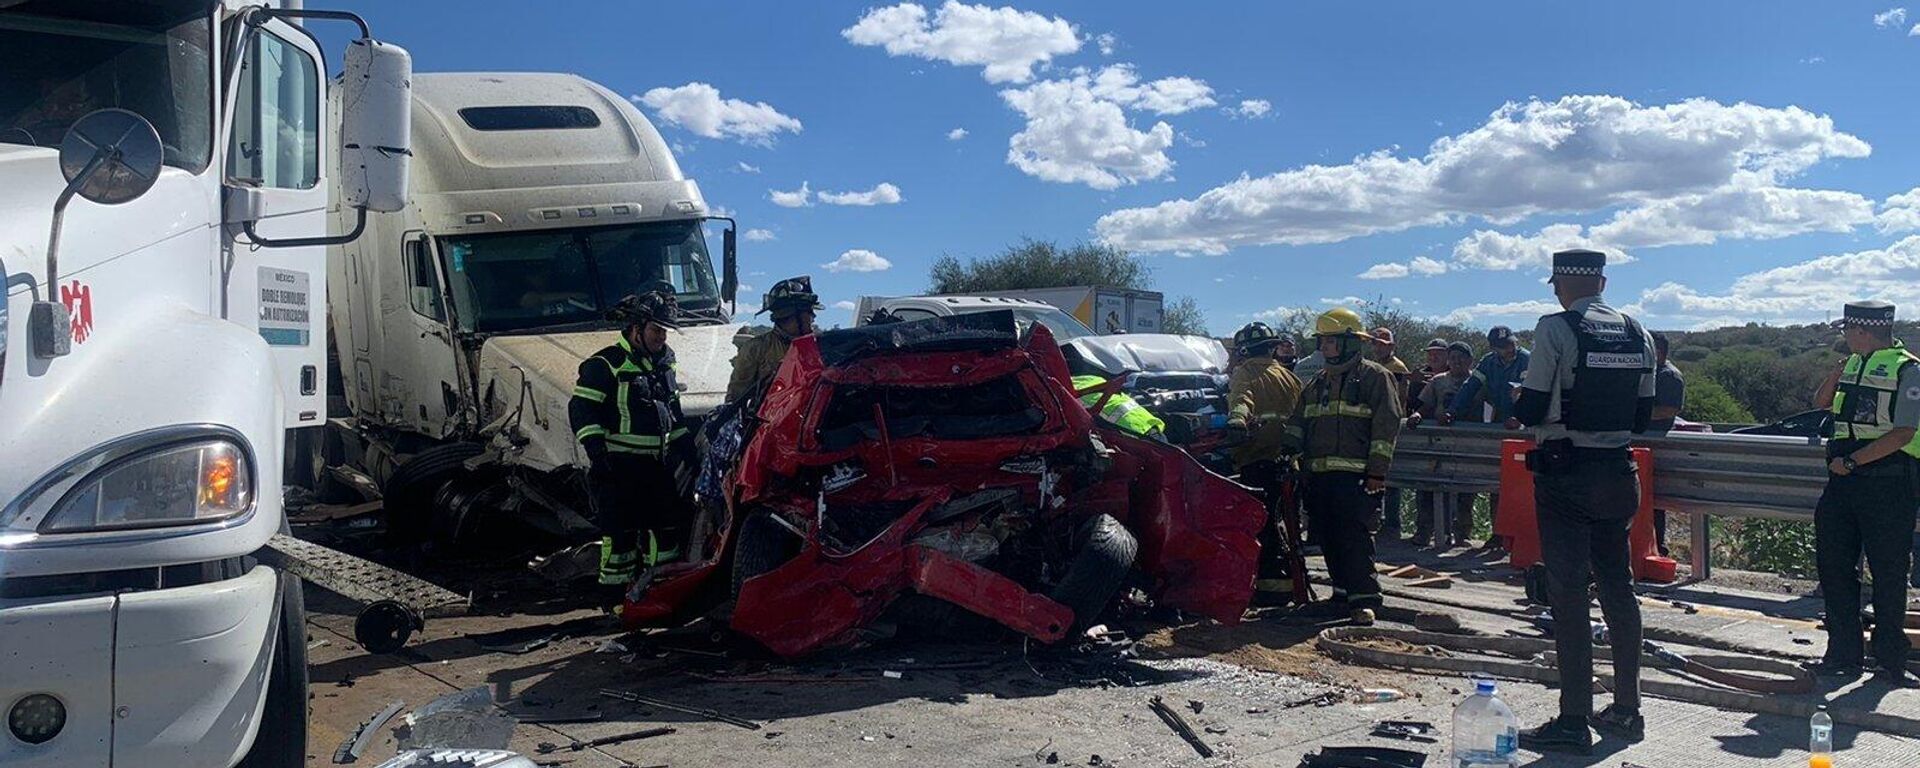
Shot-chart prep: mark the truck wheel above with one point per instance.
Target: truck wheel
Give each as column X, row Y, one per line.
column 1100, row 564
column 410, row 491
column 281, row 741
column 763, row 546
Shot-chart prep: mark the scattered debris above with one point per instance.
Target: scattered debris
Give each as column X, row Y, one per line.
column 892, row 675
column 612, row 646
column 1327, row 699
column 1408, row 730
column 547, row 748
column 1685, row 606
column 318, row 644
column 1373, row 757
column 460, row 720
column 1216, row 729
column 582, row 717
column 775, row 734
column 1380, row 695
column 1256, row 710
column 1196, row 706
column 1418, row 576
column 1802, row 641
column 1179, row 725
column 658, row 704
column 517, row 649
column 356, row 745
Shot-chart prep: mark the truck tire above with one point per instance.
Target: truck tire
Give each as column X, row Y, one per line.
column 281, row 741
column 410, row 491
column 763, row 546
column 1101, row 560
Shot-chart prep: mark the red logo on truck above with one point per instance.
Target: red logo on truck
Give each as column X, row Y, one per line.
column 79, row 301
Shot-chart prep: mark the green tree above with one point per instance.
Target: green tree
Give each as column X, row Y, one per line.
column 1041, row 264
column 1184, row 316
column 1710, row 403
column 1770, row 387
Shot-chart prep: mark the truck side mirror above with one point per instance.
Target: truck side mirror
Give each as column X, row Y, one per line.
column 376, row 125
column 730, row 266
column 110, row 156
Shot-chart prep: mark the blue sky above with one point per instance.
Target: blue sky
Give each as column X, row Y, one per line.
column 1755, row 160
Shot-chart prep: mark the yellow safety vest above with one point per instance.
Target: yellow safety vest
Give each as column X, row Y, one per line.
column 1863, row 401
column 1120, row 410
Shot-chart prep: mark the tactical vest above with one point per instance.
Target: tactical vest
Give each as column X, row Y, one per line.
column 1609, row 362
column 1120, row 410
column 1863, row 402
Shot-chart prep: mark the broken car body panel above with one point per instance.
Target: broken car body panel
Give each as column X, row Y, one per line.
column 898, row 451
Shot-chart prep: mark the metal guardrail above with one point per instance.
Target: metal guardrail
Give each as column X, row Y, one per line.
column 1698, row 474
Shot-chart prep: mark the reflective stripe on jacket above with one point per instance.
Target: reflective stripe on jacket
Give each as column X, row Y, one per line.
column 1261, row 395
column 1120, row 410
column 1348, row 418
column 1864, row 400
column 626, row 401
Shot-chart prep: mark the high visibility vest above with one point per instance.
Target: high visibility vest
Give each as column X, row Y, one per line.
column 1863, row 402
column 1120, row 410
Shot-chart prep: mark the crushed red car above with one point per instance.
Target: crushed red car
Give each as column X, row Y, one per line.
column 948, row 460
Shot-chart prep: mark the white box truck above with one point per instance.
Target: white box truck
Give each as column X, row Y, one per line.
column 164, row 185
column 459, row 323
column 1106, row 310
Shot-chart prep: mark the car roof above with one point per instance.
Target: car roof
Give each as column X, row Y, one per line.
column 970, row 302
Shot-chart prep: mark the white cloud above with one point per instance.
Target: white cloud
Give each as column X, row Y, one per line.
column 798, row 198
column 1805, row 292
column 1891, row 17
column 760, row 235
column 1915, row 32
column 1816, row 59
column 723, row 212
column 882, row 194
column 1074, row 136
column 1900, row 213
column 1121, row 85
column 744, row 289
column 1252, row 108
column 858, row 260
column 1424, row 266
column 1387, row 271
column 1508, row 313
column 698, row 107
column 1736, row 212
column 1577, row 153
column 956, row 134
column 1107, row 42
column 843, row 304
column 743, row 167
column 1007, row 42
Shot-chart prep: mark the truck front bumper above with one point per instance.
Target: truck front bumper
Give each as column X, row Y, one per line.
column 158, row 678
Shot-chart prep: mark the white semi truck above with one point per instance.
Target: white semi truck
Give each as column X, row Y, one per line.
column 164, row 182
column 538, row 201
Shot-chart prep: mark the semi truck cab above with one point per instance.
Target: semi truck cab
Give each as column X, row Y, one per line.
column 163, row 191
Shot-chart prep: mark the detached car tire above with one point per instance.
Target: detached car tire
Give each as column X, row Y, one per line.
column 281, row 741
column 763, row 546
column 1103, row 556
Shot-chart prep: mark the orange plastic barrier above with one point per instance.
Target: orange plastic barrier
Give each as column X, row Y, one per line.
column 1516, row 522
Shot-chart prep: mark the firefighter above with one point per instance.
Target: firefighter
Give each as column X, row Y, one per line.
column 626, row 413
column 1867, row 508
column 792, row 304
column 1120, row 410
column 1261, row 394
column 1589, row 388
column 1344, row 427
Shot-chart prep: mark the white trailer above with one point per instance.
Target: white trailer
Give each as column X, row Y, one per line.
column 163, row 191
column 459, row 323
column 1105, row 310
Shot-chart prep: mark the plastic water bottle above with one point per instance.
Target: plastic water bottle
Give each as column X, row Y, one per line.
column 1485, row 733
column 1821, row 744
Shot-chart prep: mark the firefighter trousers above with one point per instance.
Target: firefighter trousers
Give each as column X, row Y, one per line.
column 633, row 495
column 1343, row 517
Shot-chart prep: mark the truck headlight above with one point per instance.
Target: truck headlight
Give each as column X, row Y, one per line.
column 195, row 482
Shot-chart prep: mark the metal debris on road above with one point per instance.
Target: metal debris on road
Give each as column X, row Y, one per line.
column 356, row 745
column 1327, row 699
column 1196, row 705
column 516, row 649
column 547, row 748
column 671, row 707
column 584, row 717
column 1179, row 725
column 1407, row 730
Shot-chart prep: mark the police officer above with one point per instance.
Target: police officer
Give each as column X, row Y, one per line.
column 1261, row 394
column 792, row 304
column 1588, row 389
column 1868, row 506
column 1120, row 409
column 626, row 414
column 1344, row 427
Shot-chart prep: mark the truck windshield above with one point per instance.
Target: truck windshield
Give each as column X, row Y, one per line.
column 1064, row 326
column 64, row 60
column 522, row 281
